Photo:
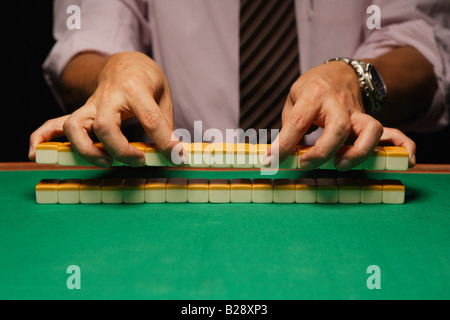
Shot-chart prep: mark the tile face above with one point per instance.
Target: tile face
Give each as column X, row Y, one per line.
column 155, row 190
column 243, row 155
column 219, row 191
column 349, row 190
column 327, row 190
column 305, row 190
column 222, row 155
column 262, row 191
column 371, row 191
column 396, row 158
column 47, row 152
column 393, row 192
column 260, row 150
column 134, row 190
column 91, row 191
column 67, row 156
column 241, row 190
column 176, row 190
column 198, row 191
column 200, row 155
column 153, row 157
column 283, row 191
column 377, row 160
column 47, row 191
column 69, row 191
column 112, row 191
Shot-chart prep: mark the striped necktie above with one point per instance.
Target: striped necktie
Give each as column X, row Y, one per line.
column 269, row 61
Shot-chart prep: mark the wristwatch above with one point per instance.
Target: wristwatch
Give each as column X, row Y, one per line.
column 372, row 85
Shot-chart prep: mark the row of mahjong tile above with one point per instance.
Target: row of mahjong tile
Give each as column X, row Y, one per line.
column 181, row 190
column 222, row 155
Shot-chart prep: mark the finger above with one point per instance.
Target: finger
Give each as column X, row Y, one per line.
column 295, row 124
column 399, row 139
column 77, row 128
column 336, row 130
column 368, row 132
column 155, row 124
column 50, row 130
column 107, row 129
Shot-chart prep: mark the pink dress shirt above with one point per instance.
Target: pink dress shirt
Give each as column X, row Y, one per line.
column 196, row 42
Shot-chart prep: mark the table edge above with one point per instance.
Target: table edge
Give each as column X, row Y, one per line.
column 31, row 166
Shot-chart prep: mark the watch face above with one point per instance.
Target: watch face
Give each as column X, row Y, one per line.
column 378, row 83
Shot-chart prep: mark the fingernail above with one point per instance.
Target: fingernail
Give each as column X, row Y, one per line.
column 103, row 163
column 306, row 165
column 344, row 165
column 137, row 163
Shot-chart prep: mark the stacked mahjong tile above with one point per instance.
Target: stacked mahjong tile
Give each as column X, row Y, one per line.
column 224, row 155
column 183, row 190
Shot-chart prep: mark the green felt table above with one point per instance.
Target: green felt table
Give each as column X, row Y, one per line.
column 227, row 251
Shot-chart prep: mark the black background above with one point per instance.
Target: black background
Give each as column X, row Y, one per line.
column 28, row 102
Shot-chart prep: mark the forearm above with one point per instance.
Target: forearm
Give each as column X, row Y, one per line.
column 411, row 85
column 79, row 79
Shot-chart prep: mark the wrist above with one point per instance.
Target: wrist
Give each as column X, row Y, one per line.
column 371, row 83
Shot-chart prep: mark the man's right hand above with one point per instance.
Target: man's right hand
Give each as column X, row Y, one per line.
column 129, row 84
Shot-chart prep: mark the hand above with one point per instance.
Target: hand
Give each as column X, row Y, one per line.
column 129, row 84
column 328, row 96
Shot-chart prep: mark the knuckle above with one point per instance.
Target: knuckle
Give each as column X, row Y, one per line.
column 152, row 120
column 69, row 124
column 100, row 125
column 342, row 125
column 319, row 87
column 296, row 120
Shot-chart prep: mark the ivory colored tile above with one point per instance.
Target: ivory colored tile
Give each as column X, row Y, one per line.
column 371, row 191
column 393, row 192
column 283, row 191
column 91, row 191
column 67, row 156
column 377, row 160
column 262, row 191
column 176, row 190
column 69, row 191
column 219, row 191
column 244, row 155
column 260, row 150
column 198, row 191
column 47, row 152
column 153, row 157
column 47, row 191
column 396, row 158
column 349, row 190
column 112, row 190
column 327, row 190
column 305, row 190
column 241, row 190
column 222, row 155
column 155, row 190
column 134, row 190
column 200, row 155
